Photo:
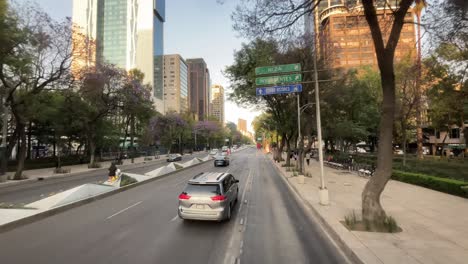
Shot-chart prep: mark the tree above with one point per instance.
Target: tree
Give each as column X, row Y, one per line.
column 36, row 57
column 408, row 100
column 135, row 106
column 267, row 17
column 100, row 89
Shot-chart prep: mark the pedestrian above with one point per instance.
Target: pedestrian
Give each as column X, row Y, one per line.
column 308, row 158
column 112, row 171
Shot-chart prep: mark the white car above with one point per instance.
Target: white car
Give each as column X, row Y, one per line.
column 399, row 152
column 361, row 150
column 214, row 152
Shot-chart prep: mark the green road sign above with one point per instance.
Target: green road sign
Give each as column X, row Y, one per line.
column 278, row 69
column 291, row 78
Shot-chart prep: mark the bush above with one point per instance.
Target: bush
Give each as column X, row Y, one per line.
column 126, row 180
column 445, row 185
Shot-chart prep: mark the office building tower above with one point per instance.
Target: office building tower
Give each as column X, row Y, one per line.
column 217, row 102
column 126, row 33
column 344, row 38
column 199, row 94
column 175, row 84
column 242, row 126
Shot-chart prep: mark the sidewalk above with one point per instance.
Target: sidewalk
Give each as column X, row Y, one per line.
column 48, row 173
column 435, row 225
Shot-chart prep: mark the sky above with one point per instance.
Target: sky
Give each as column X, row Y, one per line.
column 193, row 29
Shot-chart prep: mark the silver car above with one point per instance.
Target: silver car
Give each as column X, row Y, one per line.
column 209, row 196
column 222, row 159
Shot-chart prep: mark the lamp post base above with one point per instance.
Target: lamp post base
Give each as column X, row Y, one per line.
column 323, row 196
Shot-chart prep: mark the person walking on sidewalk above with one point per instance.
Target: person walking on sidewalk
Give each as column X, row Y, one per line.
column 308, row 156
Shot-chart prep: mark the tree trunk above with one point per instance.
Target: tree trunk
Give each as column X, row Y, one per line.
column 419, row 133
column 11, row 143
column 372, row 210
column 288, row 156
column 301, row 156
column 28, row 156
column 92, row 150
column 132, row 136
column 21, row 152
column 403, row 128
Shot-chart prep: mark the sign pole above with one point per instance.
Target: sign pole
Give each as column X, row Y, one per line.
column 298, row 120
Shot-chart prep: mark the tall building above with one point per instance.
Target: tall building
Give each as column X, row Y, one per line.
column 199, row 88
column 175, row 84
column 242, row 125
column 127, row 33
column 217, row 102
column 344, row 38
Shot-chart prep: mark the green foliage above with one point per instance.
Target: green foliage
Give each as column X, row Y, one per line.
column 354, row 115
column 126, row 180
column 449, row 186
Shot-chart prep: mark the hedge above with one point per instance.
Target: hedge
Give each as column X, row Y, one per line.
column 445, row 185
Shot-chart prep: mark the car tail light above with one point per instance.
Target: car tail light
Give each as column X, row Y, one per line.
column 218, row 198
column 184, row 196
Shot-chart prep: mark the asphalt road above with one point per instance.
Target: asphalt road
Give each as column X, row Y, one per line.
column 25, row 193
column 141, row 226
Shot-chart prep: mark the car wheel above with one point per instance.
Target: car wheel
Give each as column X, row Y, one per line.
column 228, row 215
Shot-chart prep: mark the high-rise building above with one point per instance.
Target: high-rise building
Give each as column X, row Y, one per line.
column 199, row 89
column 127, row 33
column 217, row 102
column 344, row 38
column 175, row 84
column 242, row 125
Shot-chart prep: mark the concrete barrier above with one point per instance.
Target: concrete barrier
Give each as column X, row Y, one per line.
column 69, row 196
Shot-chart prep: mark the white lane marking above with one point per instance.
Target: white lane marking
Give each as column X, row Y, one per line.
column 125, row 209
column 175, row 217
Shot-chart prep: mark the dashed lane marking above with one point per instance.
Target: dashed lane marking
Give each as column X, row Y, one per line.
column 123, row 210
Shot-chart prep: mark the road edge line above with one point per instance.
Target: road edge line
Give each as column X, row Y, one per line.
column 313, row 214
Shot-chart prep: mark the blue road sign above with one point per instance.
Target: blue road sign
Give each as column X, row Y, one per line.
column 293, row 88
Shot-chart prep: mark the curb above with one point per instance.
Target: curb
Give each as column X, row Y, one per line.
column 316, row 216
column 34, row 218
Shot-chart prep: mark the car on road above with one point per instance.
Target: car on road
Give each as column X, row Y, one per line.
column 221, row 159
column 174, row 157
column 214, row 152
column 209, row 196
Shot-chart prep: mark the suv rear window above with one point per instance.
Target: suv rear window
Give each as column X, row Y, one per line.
column 202, row 189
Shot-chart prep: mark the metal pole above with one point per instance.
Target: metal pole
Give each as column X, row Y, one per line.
column 323, row 192
column 298, row 120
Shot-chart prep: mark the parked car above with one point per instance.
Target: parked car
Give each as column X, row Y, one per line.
column 214, row 152
column 399, row 152
column 209, row 196
column 174, row 157
column 221, row 159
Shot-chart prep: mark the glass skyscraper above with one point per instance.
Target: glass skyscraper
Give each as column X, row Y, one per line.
column 128, row 33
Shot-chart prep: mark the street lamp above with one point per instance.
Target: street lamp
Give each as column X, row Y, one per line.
column 323, row 192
